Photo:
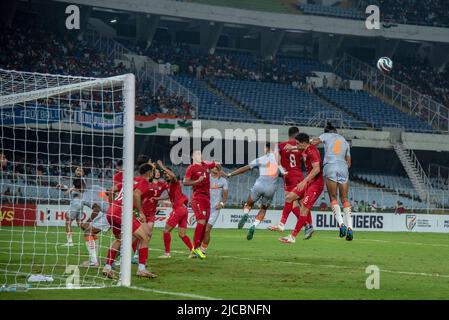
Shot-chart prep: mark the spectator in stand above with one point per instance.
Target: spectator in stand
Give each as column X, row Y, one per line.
column 373, row 206
column 399, row 208
column 423, row 12
column 417, row 73
column 323, row 204
column 6, row 196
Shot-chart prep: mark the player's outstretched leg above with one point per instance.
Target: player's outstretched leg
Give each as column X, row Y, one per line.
column 301, row 214
column 198, row 239
column 338, row 217
column 69, row 233
column 167, row 242
column 112, row 253
column 308, row 229
column 246, row 209
column 245, row 217
column 343, row 189
column 90, row 237
column 206, row 240
column 288, row 206
column 142, row 233
column 348, row 214
column 259, row 218
column 183, row 236
column 332, row 188
column 91, row 241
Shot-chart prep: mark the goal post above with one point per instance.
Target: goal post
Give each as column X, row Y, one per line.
column 50, row 125
column 128, row 166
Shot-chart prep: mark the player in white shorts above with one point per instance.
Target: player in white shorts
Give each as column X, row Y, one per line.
column 218, row 198
column 76, row 207
column 264, row 188
column 96, row 198
column 337, row 161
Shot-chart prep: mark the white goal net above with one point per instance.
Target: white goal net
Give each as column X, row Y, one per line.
column 62, row 139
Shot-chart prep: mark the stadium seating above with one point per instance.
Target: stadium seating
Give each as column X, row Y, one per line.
column 212, row 106
column 275, row 102
column 374, row 111
column 396, row 183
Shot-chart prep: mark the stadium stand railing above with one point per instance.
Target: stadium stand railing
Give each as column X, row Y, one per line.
column 439, row 176
column 396, row 93
column 414, row 170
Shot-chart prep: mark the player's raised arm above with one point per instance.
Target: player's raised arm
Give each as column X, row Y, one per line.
column 316, row 169
column 239, row 171
column 167, row 171
column 348, row 155
column 315, row 141
column 277, row 156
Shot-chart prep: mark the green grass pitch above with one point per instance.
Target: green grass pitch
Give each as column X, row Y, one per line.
column 413, row 266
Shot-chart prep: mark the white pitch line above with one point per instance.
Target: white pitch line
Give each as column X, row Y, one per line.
column 396, row 242
column 172, row 293
column 324, row 265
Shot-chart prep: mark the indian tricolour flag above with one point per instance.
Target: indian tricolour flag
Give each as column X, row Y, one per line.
column 151, row 124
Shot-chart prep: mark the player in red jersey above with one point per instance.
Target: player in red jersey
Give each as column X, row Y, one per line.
column 149, row 206
column 309, row 189
column 118, row 175
column 178, row 216
column 198, row 177
column 158, row 187
column 139, row 228
column 290, row 165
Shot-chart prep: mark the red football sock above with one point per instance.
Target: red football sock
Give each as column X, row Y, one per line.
column 135, row 243
column 309, row 218
column 112, row 253
column 286, row 211
column 198, row 235
column 167, row 241
column 187, row 241
column 301, row 222
column 296, row 211
column 143, row 255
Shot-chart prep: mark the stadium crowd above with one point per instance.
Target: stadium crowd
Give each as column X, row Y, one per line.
column 163, row 102
column 239, row 66
column 34, row 49
column 424, row 12
column 418, row 74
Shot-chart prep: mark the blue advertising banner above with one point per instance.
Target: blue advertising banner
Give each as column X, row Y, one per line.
column 29, row 115
column 38, row 115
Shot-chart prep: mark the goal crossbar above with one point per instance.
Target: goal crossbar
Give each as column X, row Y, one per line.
column 22, row 97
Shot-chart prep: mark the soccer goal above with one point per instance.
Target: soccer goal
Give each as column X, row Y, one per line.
column 61, row 141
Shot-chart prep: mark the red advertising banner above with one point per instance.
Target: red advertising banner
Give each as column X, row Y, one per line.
column 18, row 215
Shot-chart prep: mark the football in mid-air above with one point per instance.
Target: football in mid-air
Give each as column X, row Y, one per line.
column 385, row 64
